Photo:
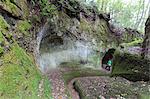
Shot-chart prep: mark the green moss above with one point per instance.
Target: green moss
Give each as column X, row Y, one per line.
column 1, row 50
column 3, row 29
column 19, row 76
column 82, row 72
column 1, row 38
column 119, row 65
column 130, row 66
column 3, row 25
column 98, row 30
column 24, row 7
column 10, row 7
column 23, row 27
column 86, row 26
column 133, row 43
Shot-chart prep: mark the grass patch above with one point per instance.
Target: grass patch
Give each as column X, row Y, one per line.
column 47, row 89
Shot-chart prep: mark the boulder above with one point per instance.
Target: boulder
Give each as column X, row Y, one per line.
column 130, row 66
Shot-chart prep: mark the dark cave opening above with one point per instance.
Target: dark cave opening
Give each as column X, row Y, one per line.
column 107, row 59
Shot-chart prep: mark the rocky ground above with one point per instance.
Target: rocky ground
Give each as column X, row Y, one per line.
column 94, row 87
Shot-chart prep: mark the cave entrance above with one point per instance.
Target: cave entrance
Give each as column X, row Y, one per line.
column 107, row 59
column 51, row 44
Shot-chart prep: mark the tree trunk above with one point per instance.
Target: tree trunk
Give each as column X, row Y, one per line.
column 138, row 23
column 130, row 66
column 146, row 43
column 145, row 12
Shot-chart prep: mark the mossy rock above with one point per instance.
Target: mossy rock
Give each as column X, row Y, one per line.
column 11, row 8
column 107, row 87
column 136, row 42
column 130, row 66
column 4, row 26
column 23, row 27
column 23, row 5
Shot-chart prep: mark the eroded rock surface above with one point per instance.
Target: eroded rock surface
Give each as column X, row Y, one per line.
column 106, row 87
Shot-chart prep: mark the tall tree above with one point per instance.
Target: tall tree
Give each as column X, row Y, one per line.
column 146, row 43
column 126, row 13
column 146, row 10
column 142, row 14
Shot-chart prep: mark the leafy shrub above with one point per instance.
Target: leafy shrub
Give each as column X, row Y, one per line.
column 46, row 8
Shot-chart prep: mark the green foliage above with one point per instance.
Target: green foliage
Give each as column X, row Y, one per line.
column 126, row 13
column 47, row 9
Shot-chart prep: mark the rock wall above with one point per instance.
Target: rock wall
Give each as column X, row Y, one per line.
column 14, row 22
column 75, row 33
column 17, row 9
column 71, row 31
column 18, row 72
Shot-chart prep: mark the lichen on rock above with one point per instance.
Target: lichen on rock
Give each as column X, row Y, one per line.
column 17, row 9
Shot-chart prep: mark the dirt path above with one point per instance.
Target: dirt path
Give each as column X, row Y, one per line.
column 73, row 92
column 93, row 86
column 59, row 90
column 58, row 86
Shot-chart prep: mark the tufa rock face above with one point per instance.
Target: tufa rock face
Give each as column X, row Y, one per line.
column 125, row 35
column 14, row 24
column 76, row 33
column 80, row 23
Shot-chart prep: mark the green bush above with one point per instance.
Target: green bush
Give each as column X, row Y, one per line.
column 47, row 9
